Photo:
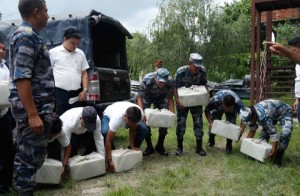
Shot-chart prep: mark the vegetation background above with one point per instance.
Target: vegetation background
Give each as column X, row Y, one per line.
column 221, row 34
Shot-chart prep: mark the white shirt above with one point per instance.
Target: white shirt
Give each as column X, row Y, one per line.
column 62, row 138
column 4, row 76
column 115, row 112
column 297, row 81
column 71, row 124
column 68, row 67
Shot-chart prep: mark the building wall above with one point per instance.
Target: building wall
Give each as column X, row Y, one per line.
column 280, row 15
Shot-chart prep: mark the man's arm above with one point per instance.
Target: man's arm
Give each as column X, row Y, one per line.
column 108, row 143
column 67, row 154
column 132, row 133
column 176, row 97
column 281, row 50
column 25, row 94
column 171, row 104
column 85, row 83
column 99, row 140
column 140, row 102
column 208, row 117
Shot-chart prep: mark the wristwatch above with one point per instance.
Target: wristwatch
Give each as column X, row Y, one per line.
column 85, row 89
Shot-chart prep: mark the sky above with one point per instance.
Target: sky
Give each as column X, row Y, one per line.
column 135, row 15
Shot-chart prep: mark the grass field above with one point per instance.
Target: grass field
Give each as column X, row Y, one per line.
column 216, row 174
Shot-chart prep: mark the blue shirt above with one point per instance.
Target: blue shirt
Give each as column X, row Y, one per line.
column 270, row 111
column 151, row 92
column 184, row 78
column 29, row 59
column 216, row 102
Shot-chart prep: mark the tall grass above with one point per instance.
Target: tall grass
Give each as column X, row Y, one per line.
column 216, row 174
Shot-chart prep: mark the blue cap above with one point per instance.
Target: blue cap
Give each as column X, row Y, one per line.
column 196, row 59
column 162, row 74
column 89, row 115
column 245, row 115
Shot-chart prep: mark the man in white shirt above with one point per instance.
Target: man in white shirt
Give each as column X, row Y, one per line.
column 295, row 43
column 70, row 71
column 82, row 127
column 55, row 146
column 123, row 115
column 6, row 138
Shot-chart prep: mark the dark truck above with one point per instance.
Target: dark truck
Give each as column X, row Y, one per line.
column 103, row 40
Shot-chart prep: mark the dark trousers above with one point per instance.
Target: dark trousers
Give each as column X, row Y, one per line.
column 54, row 150
column 85, row 140
column 7, row 151
column 62, row 100
column 30, row 154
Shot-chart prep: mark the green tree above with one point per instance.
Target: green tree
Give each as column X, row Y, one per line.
column 220, row 34
column 228, row 50
column 139, row 57
column 179, row 29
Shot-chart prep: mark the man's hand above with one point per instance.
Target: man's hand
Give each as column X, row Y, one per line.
column 134, row 148
column 36, row 124
column 277, row 48
column 111, row 166
column 65, row 173
column 271, row 155
column 82, row 95
column 180, row 105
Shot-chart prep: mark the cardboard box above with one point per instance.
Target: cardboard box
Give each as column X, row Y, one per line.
column 50, row 172
column 255, row 148
column 193, row 96
column 126, row 159
column 160, row 118
column 4, row 94
column 83, row 167
column 225, row 129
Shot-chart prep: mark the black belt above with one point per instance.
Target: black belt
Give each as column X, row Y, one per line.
column 69, row 91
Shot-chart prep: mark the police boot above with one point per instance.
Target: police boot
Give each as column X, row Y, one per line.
column 229, row 146
column 160, row 146
column 179, row 150
column 149, row 150
column 278, row 157
column 211, row 140
column 199, row 149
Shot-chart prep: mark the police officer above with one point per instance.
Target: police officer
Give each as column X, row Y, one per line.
column 192, row 74
column 267, row 113
column 31, row 93
column 224, row 101
column 156, row 89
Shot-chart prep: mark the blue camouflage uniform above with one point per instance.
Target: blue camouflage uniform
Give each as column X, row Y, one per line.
column 152, row 94
column 216, row 111
column 184, row 78
column 269, row 112
column 29, row 59
column 215, row 106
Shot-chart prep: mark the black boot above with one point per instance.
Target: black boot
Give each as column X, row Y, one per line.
column 278, row 157
column 229, row 146
column 149, row 150
column 160, row 146
column 211, row 140
column 179, row 150
column 199, row 149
